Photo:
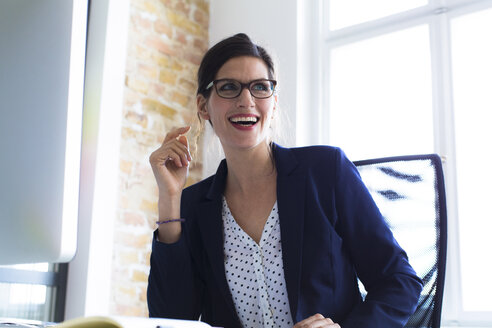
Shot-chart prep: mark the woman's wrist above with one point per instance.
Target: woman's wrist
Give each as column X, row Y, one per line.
column 169, row 206
column 169, row 212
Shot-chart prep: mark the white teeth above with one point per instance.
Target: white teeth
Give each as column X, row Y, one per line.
column 244, row 119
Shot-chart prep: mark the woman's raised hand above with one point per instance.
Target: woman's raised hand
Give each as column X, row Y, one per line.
column 171, row 161
column 315, row 321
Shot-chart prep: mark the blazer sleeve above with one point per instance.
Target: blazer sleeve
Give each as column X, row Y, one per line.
column 174, row 288
column 393, row 288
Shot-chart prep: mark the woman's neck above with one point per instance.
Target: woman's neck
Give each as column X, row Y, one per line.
column 249, row 168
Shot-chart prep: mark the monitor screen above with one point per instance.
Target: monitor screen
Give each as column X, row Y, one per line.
column 42, row 57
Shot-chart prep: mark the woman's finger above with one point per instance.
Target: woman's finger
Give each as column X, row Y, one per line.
column 183, row 154
column 308, row 321
column 176, row 136
column 175, row 158
column 173, row 134
column 184, row 141
column 160, row 155
column 317, row 321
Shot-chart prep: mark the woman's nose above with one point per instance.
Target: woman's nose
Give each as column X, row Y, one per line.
column 245, row 98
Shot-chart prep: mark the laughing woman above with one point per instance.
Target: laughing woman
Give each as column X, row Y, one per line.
column 278, row 236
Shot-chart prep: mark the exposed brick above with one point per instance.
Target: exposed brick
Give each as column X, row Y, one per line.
column 134, row 219
column 181, row 37
column 200, row 44
column 182, row 7
column 146, row 205
column 187, row 85
column 162, row 27
column 140, row 23
column 131, row 240
column 127, row 291
column 130, row 310
column 177, row 65
column 142, row 53
column 135, row 137
column 184, row 23
column 148, row 71
column 139, row 119
column 167, row 3
column 146, row 257
column 140, row 276
column 161, row 60
column 201, row 18
column 167, row 77
column 166, row 41
column 137, row 84
column 180, row 98
column 150, row 7
column 126, row 166
column 193, row 57
column 158, row 89
column 202, row 4
column 128, row 258
column 154, row 105
column 156, row 42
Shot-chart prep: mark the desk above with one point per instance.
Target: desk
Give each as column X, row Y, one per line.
column 106, row 321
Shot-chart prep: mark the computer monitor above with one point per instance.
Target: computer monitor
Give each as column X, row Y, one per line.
column 42, row 57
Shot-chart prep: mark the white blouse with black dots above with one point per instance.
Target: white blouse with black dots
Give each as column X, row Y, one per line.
column 255, row 273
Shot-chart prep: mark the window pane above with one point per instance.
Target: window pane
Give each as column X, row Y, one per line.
column 472, row 84
column 344, row 13
column 42, row 267
column 380, row 96
column 25, row 301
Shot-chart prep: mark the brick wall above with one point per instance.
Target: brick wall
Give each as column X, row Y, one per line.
column 167, row 39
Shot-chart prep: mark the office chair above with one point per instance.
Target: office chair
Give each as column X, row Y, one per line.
column 409, row 191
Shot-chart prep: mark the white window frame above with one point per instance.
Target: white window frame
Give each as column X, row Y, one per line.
column 437, row 14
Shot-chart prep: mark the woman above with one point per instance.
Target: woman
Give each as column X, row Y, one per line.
column 277, row 237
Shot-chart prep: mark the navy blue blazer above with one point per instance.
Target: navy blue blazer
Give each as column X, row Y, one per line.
column 332, row 233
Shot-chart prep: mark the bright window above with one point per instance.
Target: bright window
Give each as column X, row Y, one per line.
column 382, row 96
column 472, row 84
column 33, row 291
column 414, row 77
column 344, row 13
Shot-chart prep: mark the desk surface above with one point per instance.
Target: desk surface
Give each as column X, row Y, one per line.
column 106, row 321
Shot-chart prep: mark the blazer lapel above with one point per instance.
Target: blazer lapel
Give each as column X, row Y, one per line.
column 210, row 209
column 291, row 184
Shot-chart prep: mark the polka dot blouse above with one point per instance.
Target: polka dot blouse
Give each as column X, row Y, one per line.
column 255, row 273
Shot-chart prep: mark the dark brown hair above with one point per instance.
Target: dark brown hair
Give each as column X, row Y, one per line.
column 234, row 46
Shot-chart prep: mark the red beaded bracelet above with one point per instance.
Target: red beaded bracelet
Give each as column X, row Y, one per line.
column 169, row 220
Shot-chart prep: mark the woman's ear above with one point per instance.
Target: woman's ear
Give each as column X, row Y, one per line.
column 201, row 104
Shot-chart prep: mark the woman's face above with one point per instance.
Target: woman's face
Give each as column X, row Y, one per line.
column 241, row 122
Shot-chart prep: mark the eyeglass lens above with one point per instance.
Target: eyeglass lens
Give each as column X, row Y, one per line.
column 233, row 88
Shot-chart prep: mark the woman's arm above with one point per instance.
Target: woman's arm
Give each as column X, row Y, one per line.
column 382, row 266
column 173, row 289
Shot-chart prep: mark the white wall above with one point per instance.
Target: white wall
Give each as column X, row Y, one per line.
column 89, row 276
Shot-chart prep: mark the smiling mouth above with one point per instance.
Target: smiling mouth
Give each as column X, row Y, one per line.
column 244, row 121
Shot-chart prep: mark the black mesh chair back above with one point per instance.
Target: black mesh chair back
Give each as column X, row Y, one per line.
column 409, row 191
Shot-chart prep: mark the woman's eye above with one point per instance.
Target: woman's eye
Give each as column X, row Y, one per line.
column 260, row 86
column 228, row 86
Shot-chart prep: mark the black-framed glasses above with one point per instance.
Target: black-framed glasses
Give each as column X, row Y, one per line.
column 229, row 88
